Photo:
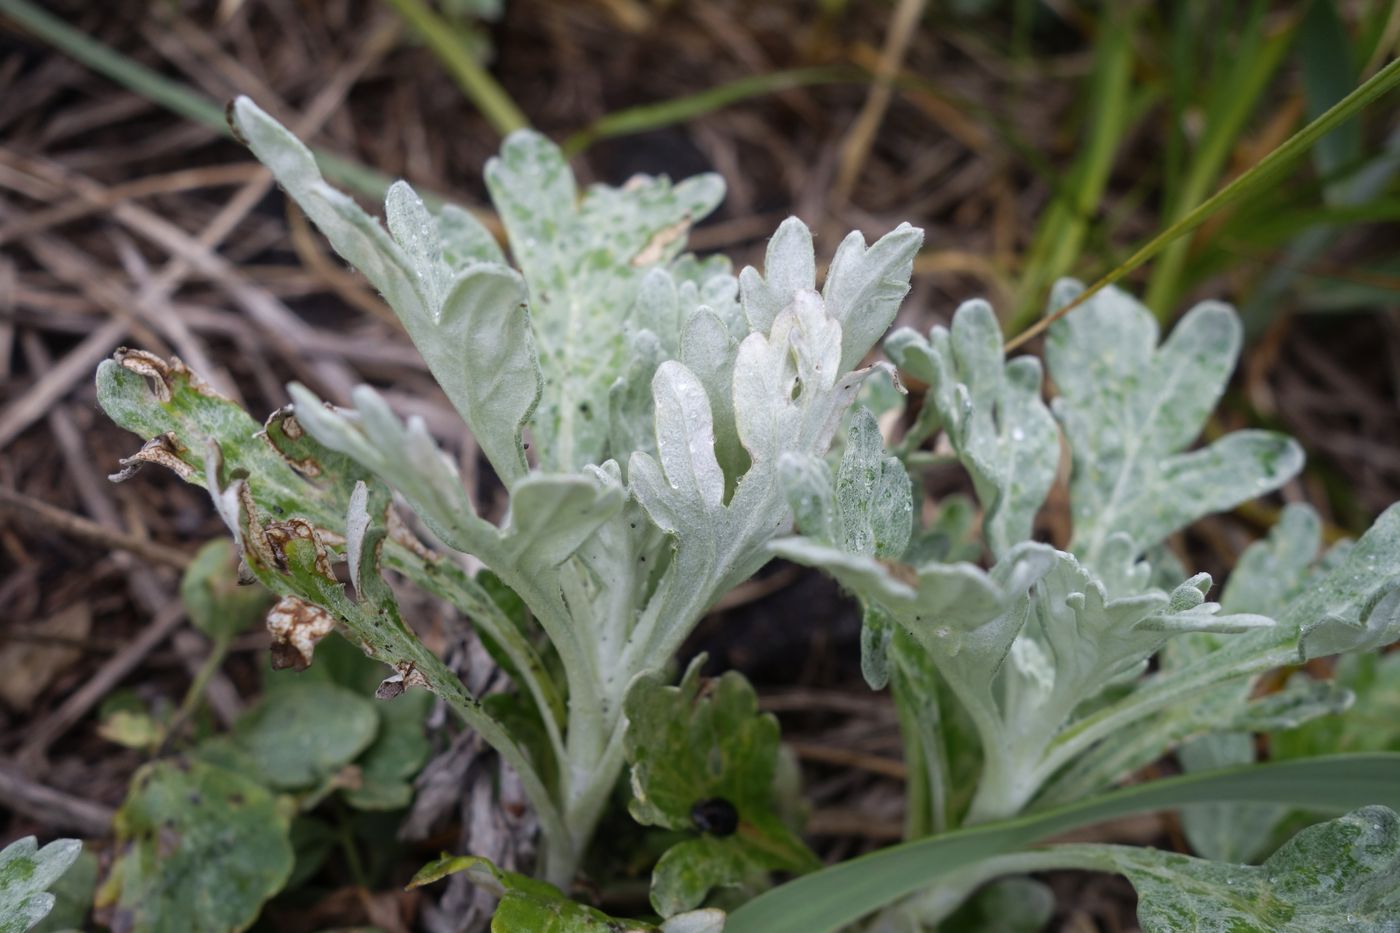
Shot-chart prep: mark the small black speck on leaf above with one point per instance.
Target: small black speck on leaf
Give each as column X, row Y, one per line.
column 715, row 816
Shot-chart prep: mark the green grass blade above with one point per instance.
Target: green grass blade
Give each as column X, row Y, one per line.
column 1266, row 171
column 1328, row 73
column 476, row 82
column 646, row 117
column 172, row 95
column 1060, row 236
column 1232, row 103
column 829, row 899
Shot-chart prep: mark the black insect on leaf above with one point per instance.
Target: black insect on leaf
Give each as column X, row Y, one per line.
column 715, row 816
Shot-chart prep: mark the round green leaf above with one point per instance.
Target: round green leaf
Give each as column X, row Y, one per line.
column 199, row 851
column 303, row 732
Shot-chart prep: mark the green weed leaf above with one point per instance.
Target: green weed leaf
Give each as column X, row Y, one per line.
column 199, row 849
column 304, row 731
column 583, row 261
column 217, row 604
column 537, row 906
column 704, row 760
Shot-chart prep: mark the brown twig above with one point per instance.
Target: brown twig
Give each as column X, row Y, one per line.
column 850, row 758
column 862, row 134
column 73, row 525
column 46, row 731
column 53, row 808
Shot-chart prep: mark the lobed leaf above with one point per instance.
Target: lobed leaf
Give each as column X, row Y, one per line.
column 1343, row 876
column 199, row 849
column 694, row 750
column 26, row 874
column 1130, row 408
column 864, row 286
column 583, row 263
column 302, row 732
column 216, row 603
column 824, row 901
column 537, row 906
column 467, row 317
column 992, row 413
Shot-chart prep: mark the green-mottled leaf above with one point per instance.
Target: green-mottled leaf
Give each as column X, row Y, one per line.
column 827, row 900
column 867, row 509
column 199, row 849
column 304, row 731
column 1370, row 723
column 993, row 415
column 789, row 266
column 1355, row 604
column 873, row 502
column 864, row 286
column 1130, row 409
column 583, row 262
column 400, row 746
column 26, row 874
column 539, row 907
column 704, row 760
column 217, row 604
column 469, row 321
column 1342, row 876
column 178, row 414
column 73, row 892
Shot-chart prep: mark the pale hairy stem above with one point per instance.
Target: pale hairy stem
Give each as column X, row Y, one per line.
column 455, row 587
column 1107, row 762
column 559, row 842
column 587, row 734
column 1001, row 790
column 1083, row 735
column 926, row 809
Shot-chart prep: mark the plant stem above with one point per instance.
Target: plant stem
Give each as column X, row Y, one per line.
column 189, row 704
column 476, row 82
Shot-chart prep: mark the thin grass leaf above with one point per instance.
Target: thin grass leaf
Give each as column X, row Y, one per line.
column 647, row 117
column 1266, row 171
column 1060, row 236
column 1233, row 101
column 827, row 900
column 447, row 43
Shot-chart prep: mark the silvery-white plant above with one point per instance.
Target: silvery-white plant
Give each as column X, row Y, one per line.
column 662, row 428
column 1046, row 654
column 658, row 394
